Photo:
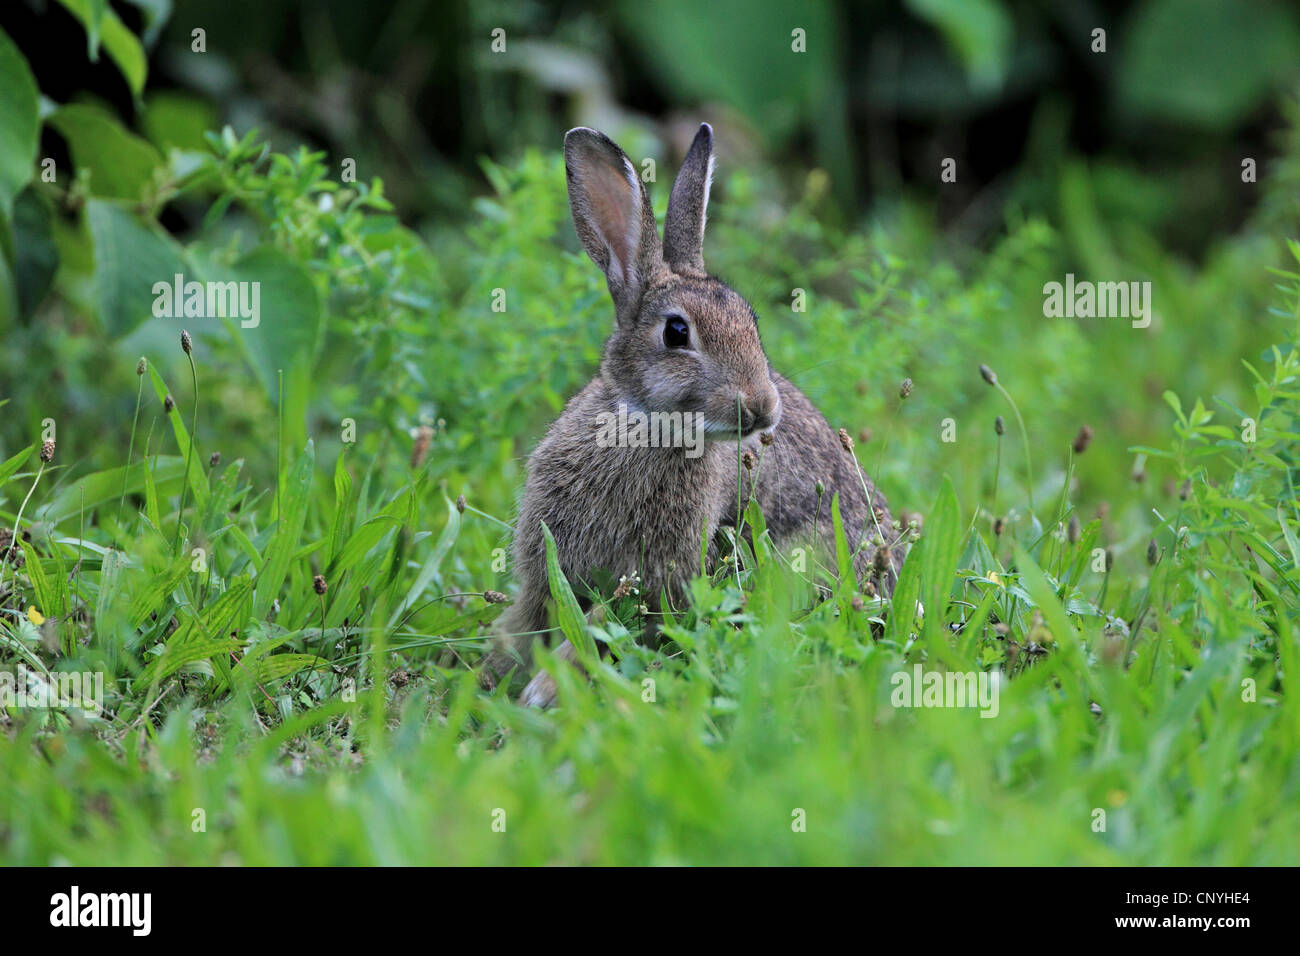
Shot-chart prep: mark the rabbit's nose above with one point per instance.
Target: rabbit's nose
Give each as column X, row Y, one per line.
column 762, row 422
column 759, row 413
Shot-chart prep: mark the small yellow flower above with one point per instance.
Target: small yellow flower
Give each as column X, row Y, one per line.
column 35, row 616
column 996, row 579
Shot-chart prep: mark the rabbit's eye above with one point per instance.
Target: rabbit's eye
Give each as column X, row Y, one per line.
column 677, row 334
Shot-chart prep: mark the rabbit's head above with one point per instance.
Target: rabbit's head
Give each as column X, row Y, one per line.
column 684, row 341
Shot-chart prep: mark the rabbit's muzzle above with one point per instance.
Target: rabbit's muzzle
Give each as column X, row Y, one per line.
column 761, row 413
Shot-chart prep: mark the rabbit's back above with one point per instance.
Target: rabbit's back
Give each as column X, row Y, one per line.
column 804, row 452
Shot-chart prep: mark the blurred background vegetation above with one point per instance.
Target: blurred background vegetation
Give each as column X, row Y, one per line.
column 1012, row 90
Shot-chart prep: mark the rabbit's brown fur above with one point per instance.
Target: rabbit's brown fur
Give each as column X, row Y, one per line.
column 635, row 510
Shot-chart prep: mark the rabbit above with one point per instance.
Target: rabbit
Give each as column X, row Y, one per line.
column 683, row 341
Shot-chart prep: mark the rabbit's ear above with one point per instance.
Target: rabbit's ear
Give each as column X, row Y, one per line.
column 612, row 214
column 688, row 207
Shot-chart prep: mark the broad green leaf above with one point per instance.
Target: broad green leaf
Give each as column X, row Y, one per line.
column 10, row 466
column 902, row 605
column 1045, row 598
column 156, row 13
column 717, row 52
column 980, row 33
column 1206, row 63
column 229, row 612
column 36, row 258
column 751, row 69
column 370, row 534
column 154, row 595
column 940, row 548
column 121, row 164
column 103, row 27
column 19, row 123
column 130, row 257
column 110, row 579
column 442, row 618
column 247, row 546
column 344, row 598
column 286, row 330
column 47, row 594
column 279, row 666
column 1292, row 542
column 75, row 278
column 102, row 486
column 843, row 554
column 344, row 508
column 151, row 497
column 173, row 659
column 279, row 553
column 175, row 120
column 758, row 531
column 224, row 490
column 9, row 309
column 246, row 668
column 94, row 21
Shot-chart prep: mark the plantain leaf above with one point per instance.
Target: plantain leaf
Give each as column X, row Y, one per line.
column 279, row 553
column 568, row 612
column 102, row 486
column 10, row 466
column 431, row 563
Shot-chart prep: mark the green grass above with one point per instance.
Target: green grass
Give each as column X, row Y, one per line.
column 348, row 727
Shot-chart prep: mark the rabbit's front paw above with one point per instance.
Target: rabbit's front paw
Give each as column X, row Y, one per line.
column 540, row 692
